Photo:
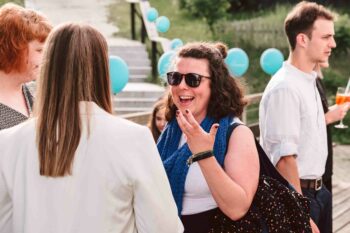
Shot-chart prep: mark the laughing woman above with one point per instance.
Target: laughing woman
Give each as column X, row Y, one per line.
column 203, row 101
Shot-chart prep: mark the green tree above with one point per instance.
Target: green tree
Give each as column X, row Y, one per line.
column 211, row 11
column 342, row 34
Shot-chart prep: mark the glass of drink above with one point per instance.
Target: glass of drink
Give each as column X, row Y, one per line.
column 341, row 98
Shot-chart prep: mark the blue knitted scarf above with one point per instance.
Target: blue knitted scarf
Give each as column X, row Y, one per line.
column 174, row 158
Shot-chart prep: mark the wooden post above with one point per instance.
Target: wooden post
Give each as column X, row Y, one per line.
column 154, row 60
column 132, row 19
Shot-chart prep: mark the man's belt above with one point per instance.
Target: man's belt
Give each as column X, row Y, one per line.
column 311, row 184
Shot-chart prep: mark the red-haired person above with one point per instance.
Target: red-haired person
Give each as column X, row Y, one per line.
column 23, row 33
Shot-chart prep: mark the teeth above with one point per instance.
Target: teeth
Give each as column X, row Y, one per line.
column 186, row 97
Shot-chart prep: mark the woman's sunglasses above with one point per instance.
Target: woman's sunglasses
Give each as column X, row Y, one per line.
column 191, row 79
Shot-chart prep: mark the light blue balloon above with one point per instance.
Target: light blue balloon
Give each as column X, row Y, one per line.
column 271, row 60
column 176, row 43
column 237, row 62
column 162, row 24
column 164, row 63
column 119, row 73
column 152, row 14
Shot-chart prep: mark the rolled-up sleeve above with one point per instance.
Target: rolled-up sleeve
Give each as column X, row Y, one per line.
column 280, row 123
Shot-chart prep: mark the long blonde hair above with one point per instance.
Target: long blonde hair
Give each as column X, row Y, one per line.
column 75, row 68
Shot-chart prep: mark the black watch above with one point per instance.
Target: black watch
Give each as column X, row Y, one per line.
column 201, row 155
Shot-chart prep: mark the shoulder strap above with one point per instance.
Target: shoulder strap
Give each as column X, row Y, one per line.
column 266, row 167
column 28, row 97
column 230, row 130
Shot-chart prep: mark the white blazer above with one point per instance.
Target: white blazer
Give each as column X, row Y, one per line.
column 118, row 182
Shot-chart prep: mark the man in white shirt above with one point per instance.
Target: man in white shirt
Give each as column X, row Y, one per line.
column 292, row 122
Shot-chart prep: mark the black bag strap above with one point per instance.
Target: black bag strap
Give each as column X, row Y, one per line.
column 266, row 167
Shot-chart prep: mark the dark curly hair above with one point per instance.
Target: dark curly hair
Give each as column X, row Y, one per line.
column 226, row 98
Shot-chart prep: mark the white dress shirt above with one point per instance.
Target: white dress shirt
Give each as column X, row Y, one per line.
column 118, row 183
column 292, row 121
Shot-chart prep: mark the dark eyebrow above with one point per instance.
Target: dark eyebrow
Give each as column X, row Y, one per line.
column 328, row 35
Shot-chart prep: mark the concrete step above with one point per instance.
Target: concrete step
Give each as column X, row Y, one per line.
column 141, row 90
column 139, row 70
column 125, row 45
column 134, row 102
column 140, row 94
column 136, row 57
column 128, row 110
column 123, row 42
column 137, row 62
column 131, row 54
column 123, row 48
column 126, row 49
column 137, row 96
column 136, row 78
column 133, row 60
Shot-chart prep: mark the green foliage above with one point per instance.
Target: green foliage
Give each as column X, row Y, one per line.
column 263, row 31
column 19, row 2
column 243, row 5
column 342, row 34
column 119, row 14
column 257, row 31
column 210, row 11
column 182, row 24
column 337, row 76
column 182, row 4
column 342, row 135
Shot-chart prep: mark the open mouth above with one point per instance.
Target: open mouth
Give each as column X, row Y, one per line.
column 186, row 99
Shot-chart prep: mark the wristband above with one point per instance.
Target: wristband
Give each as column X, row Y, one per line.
column 199, row 156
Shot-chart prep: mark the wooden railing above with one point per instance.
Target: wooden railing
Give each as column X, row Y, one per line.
column 253, row 99
column 148, row 31
column 139, row 117
column 250, row 114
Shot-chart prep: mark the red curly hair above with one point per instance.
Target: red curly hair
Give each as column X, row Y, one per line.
column 18, row 27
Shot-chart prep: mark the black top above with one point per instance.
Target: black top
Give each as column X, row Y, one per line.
column 10, row 117
column 329, row 164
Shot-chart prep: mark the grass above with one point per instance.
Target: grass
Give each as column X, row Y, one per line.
column 182, row 25
column 19, row 2
column 119, row 15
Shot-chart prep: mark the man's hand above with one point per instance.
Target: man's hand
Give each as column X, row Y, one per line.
column 314, row 227
column 336, row 113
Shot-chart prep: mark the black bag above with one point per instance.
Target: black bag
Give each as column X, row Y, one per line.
column 276, row 207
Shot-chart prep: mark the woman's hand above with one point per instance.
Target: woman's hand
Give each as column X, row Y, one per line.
column 197, row 139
